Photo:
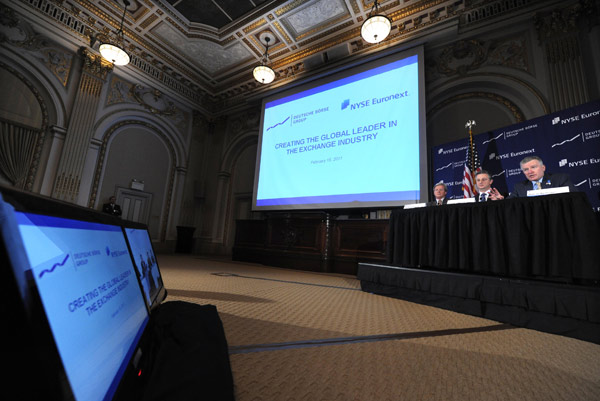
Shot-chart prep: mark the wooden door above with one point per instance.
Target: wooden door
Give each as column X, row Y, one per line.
column 134, row 204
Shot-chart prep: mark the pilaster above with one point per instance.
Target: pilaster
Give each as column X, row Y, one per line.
column 558, row 34
column 80, row 129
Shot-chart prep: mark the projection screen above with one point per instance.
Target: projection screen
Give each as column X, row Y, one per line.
column 353, row 139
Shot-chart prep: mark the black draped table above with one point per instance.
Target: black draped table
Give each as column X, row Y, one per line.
column 553, row 237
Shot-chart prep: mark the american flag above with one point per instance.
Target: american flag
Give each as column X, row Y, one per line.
column 472, row 166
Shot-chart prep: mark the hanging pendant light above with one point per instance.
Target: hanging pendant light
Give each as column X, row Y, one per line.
column 113, row 51
column 263, row 73
column 377, row 27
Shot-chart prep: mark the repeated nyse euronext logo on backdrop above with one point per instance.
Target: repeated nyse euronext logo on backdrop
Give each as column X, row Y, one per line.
column 572, row 119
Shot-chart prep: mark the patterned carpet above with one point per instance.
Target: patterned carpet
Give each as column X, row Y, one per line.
column 297, row 335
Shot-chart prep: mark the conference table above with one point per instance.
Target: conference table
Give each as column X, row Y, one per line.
column 553, row 237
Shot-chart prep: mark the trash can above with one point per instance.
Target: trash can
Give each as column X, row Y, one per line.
column 185, row 239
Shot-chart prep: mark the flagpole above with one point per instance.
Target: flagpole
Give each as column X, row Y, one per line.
column 470, row 125
column 469, row 188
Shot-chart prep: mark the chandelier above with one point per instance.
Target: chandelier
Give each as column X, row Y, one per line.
column 377, row 27
column 263, row 73
column 113, row 51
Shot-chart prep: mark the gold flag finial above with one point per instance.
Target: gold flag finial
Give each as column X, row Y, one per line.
column 470, row 124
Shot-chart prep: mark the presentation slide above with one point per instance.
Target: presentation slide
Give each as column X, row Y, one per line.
column 350, row 142
column 145, row 262
column 91, row 296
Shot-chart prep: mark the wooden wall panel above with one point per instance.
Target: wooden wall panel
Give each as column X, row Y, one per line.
column 304, row 242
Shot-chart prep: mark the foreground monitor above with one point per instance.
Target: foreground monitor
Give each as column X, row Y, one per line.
column 146, row 264
column 91, row 297
column 353, row 139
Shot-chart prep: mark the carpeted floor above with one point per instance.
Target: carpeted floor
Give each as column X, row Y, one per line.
column 297, row 335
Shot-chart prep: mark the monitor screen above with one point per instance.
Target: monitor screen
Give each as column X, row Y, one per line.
column 353, row 139
column 91, row 297
column 30, row 343
column 146, row 264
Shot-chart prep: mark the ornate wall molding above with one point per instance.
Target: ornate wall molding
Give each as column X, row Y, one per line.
column 247, row 120
column 482, row 11
column 513, row 108
column 95, row 65
column 88, row 29
column 18, row 33
column 510, row 52
column 558, row 32
column 461, row 57
column 118, row 91
column 561, row 21
column 151, row 100
column 466, row 56
column 59, row 63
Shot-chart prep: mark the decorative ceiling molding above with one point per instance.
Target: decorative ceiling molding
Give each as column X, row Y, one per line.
column 201, row 62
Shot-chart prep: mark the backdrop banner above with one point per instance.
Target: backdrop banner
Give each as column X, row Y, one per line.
column 568, row 141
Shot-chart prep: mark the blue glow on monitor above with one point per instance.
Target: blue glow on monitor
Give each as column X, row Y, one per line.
column 91, row 296
column 145, row 262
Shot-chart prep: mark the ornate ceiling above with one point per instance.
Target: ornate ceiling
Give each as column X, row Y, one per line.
column 205, row 50
column 215, row 13
column 216, row 43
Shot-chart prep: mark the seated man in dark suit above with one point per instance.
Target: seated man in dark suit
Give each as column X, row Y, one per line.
column 439, row 192
column 111, row 207
column 483, row 182
column 537, row 178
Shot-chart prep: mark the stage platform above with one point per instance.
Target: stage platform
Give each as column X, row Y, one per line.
column 564, row 309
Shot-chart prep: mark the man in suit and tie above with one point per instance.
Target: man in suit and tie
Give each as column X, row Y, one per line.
column 483, row 182
column 439, row 192
column 111, row 207
column 537, row 178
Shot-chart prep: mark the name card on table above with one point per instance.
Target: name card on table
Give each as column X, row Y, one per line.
column 461, row 200
column 547, row 191
column 415, row 205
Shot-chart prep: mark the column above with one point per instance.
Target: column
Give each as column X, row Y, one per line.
column 175, row 202
column 558, row 33
column 221, row 207
column 80, row 129
column 57, row 139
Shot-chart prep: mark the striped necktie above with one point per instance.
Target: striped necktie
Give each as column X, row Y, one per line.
column 483, row 197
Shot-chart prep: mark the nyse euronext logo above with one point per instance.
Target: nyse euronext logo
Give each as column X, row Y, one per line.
column 373, row 101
